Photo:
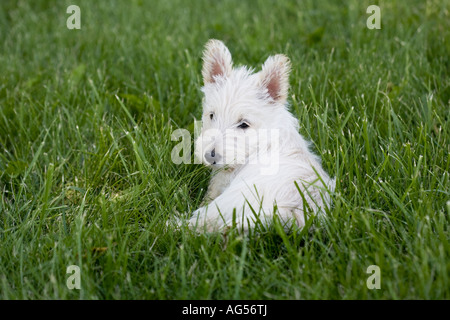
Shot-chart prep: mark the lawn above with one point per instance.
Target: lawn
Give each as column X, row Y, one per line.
column 86, row 176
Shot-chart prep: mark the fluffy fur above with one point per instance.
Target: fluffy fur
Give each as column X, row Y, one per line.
column 253, row 174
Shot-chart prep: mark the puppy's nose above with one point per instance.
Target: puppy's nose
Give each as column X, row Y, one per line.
column 211, row 157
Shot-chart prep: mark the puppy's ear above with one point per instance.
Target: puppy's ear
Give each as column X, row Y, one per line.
column 274, row 77
column 216, row 61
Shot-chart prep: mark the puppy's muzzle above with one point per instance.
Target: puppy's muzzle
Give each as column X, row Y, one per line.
column 212, row 157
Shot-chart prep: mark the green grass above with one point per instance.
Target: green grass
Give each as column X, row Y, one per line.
column 86, row 175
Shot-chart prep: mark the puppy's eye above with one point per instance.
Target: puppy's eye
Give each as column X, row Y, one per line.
column 211, row 116
column 243, row 125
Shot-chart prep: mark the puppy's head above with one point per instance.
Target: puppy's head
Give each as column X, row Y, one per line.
column 239, row 106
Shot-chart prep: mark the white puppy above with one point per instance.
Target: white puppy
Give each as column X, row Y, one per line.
column 261, row 165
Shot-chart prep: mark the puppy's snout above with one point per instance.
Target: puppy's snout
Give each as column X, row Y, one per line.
column 212, row 157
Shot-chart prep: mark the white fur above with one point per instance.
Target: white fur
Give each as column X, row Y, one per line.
column 231, row 96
